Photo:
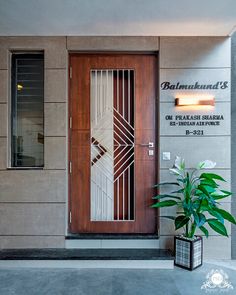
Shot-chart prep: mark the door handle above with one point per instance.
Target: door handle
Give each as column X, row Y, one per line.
column 150, row 144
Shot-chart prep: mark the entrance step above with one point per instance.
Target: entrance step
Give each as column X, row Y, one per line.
column 112, row 243
column 87, row 258
column 106, row 241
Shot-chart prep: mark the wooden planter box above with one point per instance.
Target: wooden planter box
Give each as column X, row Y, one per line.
column 188, row 252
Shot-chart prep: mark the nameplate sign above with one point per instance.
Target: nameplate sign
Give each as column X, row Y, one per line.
column 219, row 85
column 194, row 124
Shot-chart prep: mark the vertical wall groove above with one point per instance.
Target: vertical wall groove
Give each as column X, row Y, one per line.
column 233, row 137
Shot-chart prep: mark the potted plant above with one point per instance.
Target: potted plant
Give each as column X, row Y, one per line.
column 196, row 194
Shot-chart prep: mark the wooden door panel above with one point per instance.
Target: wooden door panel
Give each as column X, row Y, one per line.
column 80, row 176
column 79, row 90
column 133, row 78
column 145, row 177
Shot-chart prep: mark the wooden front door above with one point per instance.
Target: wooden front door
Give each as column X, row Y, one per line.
column 112, row 149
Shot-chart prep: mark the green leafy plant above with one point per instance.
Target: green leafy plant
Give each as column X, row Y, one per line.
column 196, row 195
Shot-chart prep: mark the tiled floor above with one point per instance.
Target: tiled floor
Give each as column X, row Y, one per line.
column 30, row 281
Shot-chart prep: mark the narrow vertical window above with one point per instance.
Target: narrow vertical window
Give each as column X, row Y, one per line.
column 27, row 110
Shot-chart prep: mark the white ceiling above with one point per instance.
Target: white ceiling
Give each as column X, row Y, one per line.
column 117, row 17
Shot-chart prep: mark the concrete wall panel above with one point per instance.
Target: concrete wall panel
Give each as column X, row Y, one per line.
column 3, row 153
column 55, row 119
column 233, row 142
column 196, row 149
column 55, row 85
column 119, row 43
column 3, row 85
column 54, row 47
column 55, row 153
column 194, row 52
column 24, row 242
column 3, row 116
column 32, row 219
column 32, row 186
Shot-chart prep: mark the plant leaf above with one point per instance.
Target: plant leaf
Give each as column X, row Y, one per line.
column 179, row 163
column 204, row 230
column 158, row 197
column 199, row 218
column 202, row 219
column 207, row 164
column 220, row 194
column 196, row 218
column 180, row 221
column 166, row 183
column 226, row 215
column 212, row 176
column 175, row 171
column 219, row 197
column 217, row 226
column 166, row 203
column 226, row 192
column 217, row 215
column 205, row 189
column 209, row 182
column 205, row 208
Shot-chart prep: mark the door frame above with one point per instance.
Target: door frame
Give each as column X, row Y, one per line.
column 157, row 119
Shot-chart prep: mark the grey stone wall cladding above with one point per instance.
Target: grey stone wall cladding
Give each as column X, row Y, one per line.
column 187, row 60
column 33, row 203
column 41, row 195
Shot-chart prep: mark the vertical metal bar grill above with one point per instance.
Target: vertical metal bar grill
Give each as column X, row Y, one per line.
column 112, row 145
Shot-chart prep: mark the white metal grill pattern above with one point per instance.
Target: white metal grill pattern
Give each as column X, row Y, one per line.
column 112, row 145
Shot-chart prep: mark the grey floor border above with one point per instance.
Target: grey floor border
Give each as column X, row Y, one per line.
column 86, row 264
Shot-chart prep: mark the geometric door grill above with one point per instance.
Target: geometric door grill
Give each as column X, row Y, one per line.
column 112, row 145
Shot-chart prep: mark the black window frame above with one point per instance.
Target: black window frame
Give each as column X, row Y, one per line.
column 14, row 56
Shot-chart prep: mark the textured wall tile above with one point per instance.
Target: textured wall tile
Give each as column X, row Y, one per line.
column 196, row 149
column 55, row 119
column 24, row 242
column 54, row 47
column 32, row 186
column 233, row 138
column 55, row 85
column 113, row 43
column 217, row 247
column 3, row 153
column 32, row 219
column 55, row 152
column 56, row 55
column 194, row 52
column 3, row 119
column 4, row 85
column 4, row 57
